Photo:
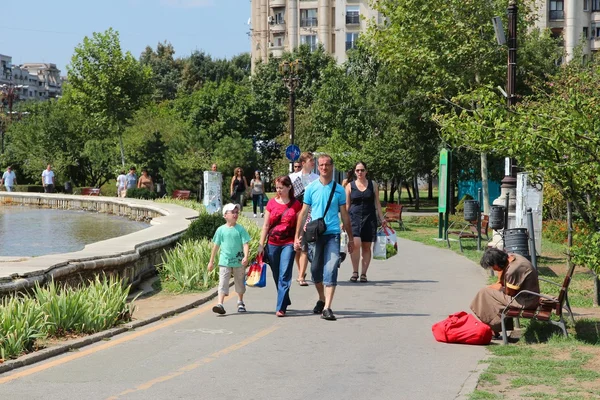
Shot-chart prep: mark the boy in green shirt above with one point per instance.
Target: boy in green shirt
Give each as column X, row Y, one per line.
column 233, row 240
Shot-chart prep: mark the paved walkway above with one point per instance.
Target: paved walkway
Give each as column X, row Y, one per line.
column 381, row 346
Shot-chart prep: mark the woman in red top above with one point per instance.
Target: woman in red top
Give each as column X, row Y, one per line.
column 280, row 225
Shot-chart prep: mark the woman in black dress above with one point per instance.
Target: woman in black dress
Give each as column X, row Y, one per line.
column 238, row 187
column 362, row 202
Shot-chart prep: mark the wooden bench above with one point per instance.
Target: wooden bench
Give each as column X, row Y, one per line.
column 547, row 306
column 469, row 231
column 90, row 192
column 393, row 213
column 181, row 194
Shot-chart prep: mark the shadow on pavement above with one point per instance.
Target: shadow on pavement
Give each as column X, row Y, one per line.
column 371, row 314
column 383, row 283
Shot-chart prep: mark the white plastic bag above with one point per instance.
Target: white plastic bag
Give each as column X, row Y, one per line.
column 391, row 237
column 379, row 249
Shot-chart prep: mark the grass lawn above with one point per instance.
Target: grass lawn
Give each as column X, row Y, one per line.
column 542, row 364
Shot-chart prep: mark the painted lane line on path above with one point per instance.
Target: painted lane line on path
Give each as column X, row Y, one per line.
column 108, row 345
column 206, row 360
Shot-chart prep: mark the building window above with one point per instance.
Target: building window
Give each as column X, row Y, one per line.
column 586, row 5
column 557, row 9
column 279, row 17
column 310, row 40
column 595, row 5
column 351, row 39
column 308, row 17
column 352, row 15
column 585, row 33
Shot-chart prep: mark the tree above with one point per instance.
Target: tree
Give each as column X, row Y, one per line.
column 106, row 84
column 166, row 70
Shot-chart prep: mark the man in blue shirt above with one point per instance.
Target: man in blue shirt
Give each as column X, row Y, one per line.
column 326, row 250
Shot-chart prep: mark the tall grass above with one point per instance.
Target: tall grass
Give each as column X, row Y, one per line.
column 187, row 266
column 56, row 310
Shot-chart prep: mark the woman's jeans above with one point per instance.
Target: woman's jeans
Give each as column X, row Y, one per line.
column 257, row 199
column 281, row 259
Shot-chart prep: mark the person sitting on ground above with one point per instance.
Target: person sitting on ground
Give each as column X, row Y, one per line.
column 515, row 273
column 233, row 240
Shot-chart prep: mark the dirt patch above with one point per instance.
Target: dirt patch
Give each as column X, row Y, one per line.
column 156, row 304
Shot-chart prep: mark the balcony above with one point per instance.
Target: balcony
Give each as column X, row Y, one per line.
column 352, row 19
column 308, row 22
column 277, row 3
column 556, row 15
column 350, row 45
column 278, row 26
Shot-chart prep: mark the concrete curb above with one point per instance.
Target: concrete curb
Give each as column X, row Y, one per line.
column 470, row 384
column 96, row 337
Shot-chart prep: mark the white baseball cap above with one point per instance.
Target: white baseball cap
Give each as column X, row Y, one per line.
column 230, row 207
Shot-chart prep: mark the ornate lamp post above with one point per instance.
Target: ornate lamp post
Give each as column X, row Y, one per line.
column 290, row 72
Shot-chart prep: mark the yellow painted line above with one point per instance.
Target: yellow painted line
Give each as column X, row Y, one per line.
column 206, row 360
column 166, row 323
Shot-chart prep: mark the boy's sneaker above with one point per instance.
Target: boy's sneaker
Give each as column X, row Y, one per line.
column 219, row 309
column 241, row 307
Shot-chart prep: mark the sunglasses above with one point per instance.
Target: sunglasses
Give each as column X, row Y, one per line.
column 297, row 166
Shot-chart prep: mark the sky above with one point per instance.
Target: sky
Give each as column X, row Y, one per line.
column 49, row 31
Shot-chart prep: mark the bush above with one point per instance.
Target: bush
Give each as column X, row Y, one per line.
column 187, row 266
column 554, row 203
column 460, row 207
column 204, row 227
column 22, row 322
column 26, row 188
column 141, row 193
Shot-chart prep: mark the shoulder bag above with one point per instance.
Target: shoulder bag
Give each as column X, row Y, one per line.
column 316, row 227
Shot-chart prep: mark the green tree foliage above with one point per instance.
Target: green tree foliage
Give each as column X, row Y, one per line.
column 166, row 70
column 199, row 68
column 107, row 84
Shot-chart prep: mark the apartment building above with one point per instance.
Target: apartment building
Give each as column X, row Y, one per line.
column 282, row 25
column 32, row 81
column 50, row 82
column 573, row 20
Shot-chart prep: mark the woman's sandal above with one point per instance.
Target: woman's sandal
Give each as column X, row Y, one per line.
column 363, row 278
column 302, row 281
column 354, row 277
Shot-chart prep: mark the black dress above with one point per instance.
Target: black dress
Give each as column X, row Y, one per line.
column 363, row 213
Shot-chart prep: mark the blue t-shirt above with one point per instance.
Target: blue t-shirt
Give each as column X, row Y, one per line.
column 316, row 196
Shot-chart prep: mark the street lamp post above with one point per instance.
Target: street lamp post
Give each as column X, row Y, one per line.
column 290, row 72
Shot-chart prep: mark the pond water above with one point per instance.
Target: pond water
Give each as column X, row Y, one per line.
column 27, row 231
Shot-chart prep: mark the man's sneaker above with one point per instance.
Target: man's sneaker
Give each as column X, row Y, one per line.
column 241, row 307
column 262, row 215
column 254, row 215
column 219, row 309
column 319, row 307
column 328, row 315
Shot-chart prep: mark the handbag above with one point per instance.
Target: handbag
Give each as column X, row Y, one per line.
column 463, row 328
column 380, row 249
column 316, row 227
column 257, row 273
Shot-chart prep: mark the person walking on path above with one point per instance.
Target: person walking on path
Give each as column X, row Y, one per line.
column 9, row 179
column 48, row 179
column 121, row 184
column 364, row 208
column 232, row 239
column 131, row 179
column 280, row 227
column 326, row 249
column 238, row 187
column 145, row 181
column 515, row 273
column 301, row 178
column 258, row 192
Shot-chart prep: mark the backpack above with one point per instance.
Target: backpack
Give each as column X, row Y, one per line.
column 463, row 328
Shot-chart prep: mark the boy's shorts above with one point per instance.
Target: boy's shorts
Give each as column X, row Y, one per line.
column 239, row 277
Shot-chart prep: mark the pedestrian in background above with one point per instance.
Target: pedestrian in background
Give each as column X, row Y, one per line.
column 9, row 179
column 121, row 184
column 258, row 192
column 364, row 208
column 48, row 179
column 145, row 181
column 232, row 241
column 238, row 187
column 131, row 180
column 280, row 222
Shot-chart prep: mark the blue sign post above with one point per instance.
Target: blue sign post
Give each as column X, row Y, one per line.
column 292, row 152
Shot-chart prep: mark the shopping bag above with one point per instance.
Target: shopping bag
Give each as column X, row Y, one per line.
column 265, row 200
column 343, row 246
column 390, row 237
column 379, row 249
column 257, row 273
column 462, row 327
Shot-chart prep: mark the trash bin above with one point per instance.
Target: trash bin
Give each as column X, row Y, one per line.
column 68, row 188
